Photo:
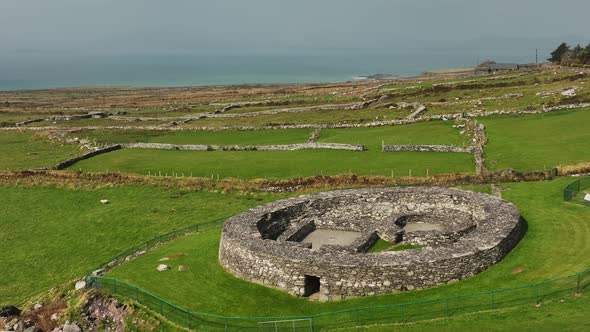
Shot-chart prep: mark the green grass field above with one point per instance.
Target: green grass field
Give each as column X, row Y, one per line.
column 23, row 150
column 259, row 137
column 535, row 142
column 434, row 132
column 50, row 236
column 287, row 164
column 569, row 315
column 277, row 164
column 554, row 245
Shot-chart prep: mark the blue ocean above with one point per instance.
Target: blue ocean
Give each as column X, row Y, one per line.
column 33, row 69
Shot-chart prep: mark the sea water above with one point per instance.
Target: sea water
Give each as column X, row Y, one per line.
column 34, row 69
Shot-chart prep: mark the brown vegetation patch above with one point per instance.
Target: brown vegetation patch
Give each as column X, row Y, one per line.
column 42, row 317
column 518, row 269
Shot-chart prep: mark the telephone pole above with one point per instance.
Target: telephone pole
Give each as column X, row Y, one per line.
column 536, row 55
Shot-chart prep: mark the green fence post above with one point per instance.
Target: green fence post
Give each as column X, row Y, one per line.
column 493, row 305
column 401, row 312
column 189, row 319
column 161, row 311
column 225, row 328
column 447, row 306
column 537, row 294
column 356, row 317
column 312, row 326
column 197, row 227
column 578, row 286
column 136, row 294
column 114, row 286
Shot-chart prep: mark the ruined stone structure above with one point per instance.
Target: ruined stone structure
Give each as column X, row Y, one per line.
column 461, row 234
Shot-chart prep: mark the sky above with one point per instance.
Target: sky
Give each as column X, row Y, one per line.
column 197, row 25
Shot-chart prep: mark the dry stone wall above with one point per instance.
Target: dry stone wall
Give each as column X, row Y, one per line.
column 285, row 147
column 70, row 162
column 444, row 117
column 427, row 148
column 478, row 230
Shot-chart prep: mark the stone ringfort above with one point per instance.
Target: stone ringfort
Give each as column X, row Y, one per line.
column 318, row 245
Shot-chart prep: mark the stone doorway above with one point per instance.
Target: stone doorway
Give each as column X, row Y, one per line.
column 312, row 285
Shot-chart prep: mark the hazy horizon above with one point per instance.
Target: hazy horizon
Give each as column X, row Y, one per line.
column 73, row 42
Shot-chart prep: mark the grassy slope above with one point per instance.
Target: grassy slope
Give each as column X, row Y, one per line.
column 570, row 315
column 538, row 141
column 262, row 137
column 50, row 236
column 277, row 164
column 21, row 150
column 555, row 245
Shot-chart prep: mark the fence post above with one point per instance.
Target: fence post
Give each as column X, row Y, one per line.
column 493, row 305
column 189, row 319
column 537, row 294
column 578, row 284
column 114, row 286
column 447, row 306
column 136, row 294
column 401, row 312
column 225, row 328
column 356, row 317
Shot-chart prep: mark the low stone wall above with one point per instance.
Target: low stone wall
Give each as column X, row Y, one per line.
column 70, row 162
column 285, row 147
column 477, row 230
column 443, row 117
column 419, row 110
column 314, row 135
column 427, row 148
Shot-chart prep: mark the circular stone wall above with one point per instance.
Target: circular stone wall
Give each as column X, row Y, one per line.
column 458, row 233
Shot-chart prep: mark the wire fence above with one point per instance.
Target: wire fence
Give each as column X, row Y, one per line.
column 553, row 289
column 574, row 188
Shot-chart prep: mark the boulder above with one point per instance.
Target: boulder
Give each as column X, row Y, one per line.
column 104, row 201
column 162, row 267
column 71, row 328
column 80, row 284
column 9, row 311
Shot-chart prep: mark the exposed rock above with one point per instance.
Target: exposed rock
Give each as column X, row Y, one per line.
column 162, row 267
column 71, row 328
column 80, row 284
column 9, row 311
column 104, row 201
column 182, row 268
